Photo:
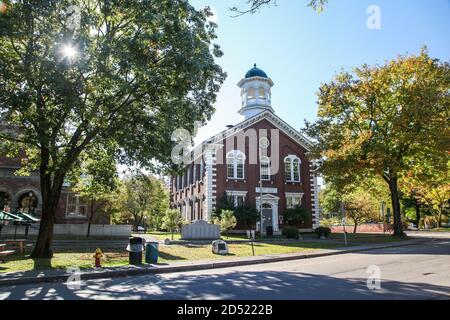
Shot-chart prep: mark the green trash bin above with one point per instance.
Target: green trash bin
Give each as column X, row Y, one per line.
column 151, row 252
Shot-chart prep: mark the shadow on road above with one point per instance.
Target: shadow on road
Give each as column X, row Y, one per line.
column 270, row 285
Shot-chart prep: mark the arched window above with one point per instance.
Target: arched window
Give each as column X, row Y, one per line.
column 292, row 168
column 265, row 169
column 261, row 93
column 235, row 164
column 251, row 94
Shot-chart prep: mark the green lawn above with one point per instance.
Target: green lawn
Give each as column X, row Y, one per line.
column 167, row 254
column 83, row 258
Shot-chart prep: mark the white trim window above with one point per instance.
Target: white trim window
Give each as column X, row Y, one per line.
column 237, row 197
column 292, row 168
column 293, row 200
column 264, row 169
column 235, row 164
column 76, row 206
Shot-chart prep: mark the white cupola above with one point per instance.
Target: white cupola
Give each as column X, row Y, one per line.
column 255, row 93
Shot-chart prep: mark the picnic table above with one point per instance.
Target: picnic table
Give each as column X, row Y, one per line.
column 3, row 252
column 20, row 243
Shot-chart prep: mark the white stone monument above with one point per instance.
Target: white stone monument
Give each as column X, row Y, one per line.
column 200, row 230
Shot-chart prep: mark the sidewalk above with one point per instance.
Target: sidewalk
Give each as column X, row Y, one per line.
column 28, row 277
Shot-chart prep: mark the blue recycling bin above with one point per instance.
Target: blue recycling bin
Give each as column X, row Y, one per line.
column 151, row 252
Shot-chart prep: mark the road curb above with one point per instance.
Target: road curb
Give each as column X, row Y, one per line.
column 150, row 269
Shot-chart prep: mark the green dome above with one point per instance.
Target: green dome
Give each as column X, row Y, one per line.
column 256, row 72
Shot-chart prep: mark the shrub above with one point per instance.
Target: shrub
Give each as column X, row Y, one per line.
column 290, row 232
column 296, row 215
column 325, row 231
column 246, row 215
column 227, row 221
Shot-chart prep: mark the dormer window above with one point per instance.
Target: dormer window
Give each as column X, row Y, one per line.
column 292, row 168
column 235, row 164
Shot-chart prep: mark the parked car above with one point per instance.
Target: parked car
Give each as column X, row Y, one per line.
column 140, row 229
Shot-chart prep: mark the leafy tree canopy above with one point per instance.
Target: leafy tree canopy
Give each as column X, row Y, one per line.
column 119, row 76
column 384, row 120
column 254, row 6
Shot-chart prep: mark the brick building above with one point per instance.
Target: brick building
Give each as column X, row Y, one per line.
column 260, row 161
column 23, row 193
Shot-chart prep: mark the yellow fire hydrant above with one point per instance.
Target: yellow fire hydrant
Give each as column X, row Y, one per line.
column 98, row 258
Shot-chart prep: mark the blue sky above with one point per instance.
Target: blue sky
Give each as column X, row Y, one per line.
column 300, row 49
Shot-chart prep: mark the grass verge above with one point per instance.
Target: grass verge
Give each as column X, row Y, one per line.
column 167, row 255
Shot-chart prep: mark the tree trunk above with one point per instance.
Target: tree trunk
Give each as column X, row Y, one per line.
column 43, row 247
column 417, row 207
column 393, row 187
column 50, row 191
column 440, row 220
column 355, row 227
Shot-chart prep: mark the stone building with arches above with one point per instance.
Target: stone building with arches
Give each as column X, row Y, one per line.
column 261, row 162
column 23, row 193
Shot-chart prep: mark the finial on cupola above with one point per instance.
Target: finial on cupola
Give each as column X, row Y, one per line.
column 254, row 65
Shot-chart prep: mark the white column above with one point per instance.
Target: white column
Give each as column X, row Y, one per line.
column 210, row 180
column 314, row 196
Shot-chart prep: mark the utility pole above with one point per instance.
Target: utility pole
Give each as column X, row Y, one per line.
column 260, row 198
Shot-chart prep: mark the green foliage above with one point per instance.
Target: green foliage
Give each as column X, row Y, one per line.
column 172, row 220
column 330, row 222
column 223, row 203
column 325, row 231
column 296, row 215
column 227, row 221
column 383, row 121
column 290, row 232
column 126, row 89
column 330, row 201
column 142, row 199
column 429, row 187
column 256, row 5
column 360, row 208
column 246, row 215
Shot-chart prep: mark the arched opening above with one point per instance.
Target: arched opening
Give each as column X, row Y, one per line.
column 261, row 93
column 4, row 201
column 27, row 202
column 251, row 94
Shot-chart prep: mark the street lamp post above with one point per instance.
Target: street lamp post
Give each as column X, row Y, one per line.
column 263, row 144
column 30, row 199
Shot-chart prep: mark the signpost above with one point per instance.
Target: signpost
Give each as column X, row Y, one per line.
column 251, row 237
column 344, row 222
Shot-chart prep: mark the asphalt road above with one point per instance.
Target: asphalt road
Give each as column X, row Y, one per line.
column 410, row 272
